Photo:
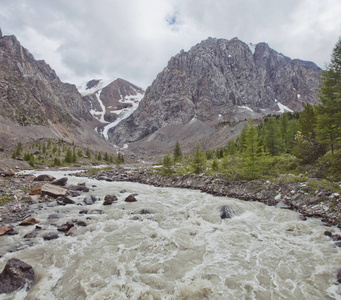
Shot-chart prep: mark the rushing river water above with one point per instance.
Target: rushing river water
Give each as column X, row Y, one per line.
column 181, row 250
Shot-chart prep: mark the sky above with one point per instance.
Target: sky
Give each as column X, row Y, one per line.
column 134, row 39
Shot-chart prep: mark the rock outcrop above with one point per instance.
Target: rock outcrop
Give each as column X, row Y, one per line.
column 218, row 81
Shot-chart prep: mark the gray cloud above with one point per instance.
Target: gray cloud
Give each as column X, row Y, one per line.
column 85, row 39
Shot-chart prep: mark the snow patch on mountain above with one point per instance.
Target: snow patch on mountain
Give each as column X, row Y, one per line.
column 85, row 91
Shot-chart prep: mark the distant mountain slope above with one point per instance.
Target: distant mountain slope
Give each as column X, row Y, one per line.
column 216, row 81
column 36, row 104
column 110, row 101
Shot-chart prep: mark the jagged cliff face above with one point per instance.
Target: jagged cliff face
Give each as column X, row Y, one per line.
column 218, row 80
column 35, row 104
column 31, row 92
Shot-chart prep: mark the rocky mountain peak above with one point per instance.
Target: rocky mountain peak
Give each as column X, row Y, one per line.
column 220, row 80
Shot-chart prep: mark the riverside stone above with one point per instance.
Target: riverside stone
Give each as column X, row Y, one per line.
column 61, row 181
column 5, row 228
column 16, row 275
column 50, row 236
column 89, row 199
column 226, row 212
column 53, row 190
column 29, row 221
column 109, row 199
column 44, row 177
column 130, row 198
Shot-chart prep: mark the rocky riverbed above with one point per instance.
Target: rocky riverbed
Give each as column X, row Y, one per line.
column 25, row 195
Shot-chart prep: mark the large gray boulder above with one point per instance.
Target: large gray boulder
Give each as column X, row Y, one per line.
column 16, row 275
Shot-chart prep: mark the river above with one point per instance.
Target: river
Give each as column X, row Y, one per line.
column 181, row 249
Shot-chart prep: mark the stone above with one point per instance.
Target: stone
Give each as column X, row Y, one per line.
column 65, row 227
column 71, row 231
column 338, row 275
column 145, row 212
column 29, row 221
column 79, row 187
column 35, row 191
column 53, row 190
column 50, row 236
column 83, row 211
column 34, row 233
column 302, row 218
column 74, row 193
column 278, row 197
column 5, row 228
column 81, row 223
column 16, row 275
column 64, row 200
column 53, row 217
column 44, row 177
column 89, row 199
column 109, row 199
column 130, row 198
column 61, row 181
column 123, row 191
column 226, row 212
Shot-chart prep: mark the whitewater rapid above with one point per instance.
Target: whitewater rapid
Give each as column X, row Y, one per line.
column 172, row 244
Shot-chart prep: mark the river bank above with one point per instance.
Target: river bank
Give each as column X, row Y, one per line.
column 309, row 197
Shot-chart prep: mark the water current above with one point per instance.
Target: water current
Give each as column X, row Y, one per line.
column 181, row 249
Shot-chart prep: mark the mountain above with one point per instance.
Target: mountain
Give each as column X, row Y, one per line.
column 110, row 101
column 217, row 81
column 36, row 104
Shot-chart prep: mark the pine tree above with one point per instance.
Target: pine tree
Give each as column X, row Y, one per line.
column 272, row 140
column 250, row 150
column 177, row 153
column 167, row 164
column 68, row 156
column 199, row 160
column 329, row 111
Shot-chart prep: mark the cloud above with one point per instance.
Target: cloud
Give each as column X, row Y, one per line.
column 85, row 39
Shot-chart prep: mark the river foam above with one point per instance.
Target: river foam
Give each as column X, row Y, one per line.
column 181, row 249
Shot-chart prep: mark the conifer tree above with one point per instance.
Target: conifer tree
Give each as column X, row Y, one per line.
column 250, row 149
column 177, row 153
column 199, row 160
column 329, row 111
column 167, row 164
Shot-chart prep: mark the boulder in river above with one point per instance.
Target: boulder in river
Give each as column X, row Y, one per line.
column 63, row 200
column 53, row 190
column 226, row 212
column 50, row 236
column 109, row 199
column 130, row 198
column 338, row 275
column 89, row 199
column 33, row 233
column 29, row 221
column 60, row 181
column 5, row 228
column 16, row 275
column 44, row 177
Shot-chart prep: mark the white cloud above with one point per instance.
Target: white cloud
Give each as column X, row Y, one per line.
column 85, row 39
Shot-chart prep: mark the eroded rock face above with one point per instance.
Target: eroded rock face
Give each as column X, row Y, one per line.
column 15, row 276
column 220, row 80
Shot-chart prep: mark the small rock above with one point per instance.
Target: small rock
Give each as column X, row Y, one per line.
column 302, row 218
column 123, row 191
column 338, row 275
column 16, row 275
column 89, row 199
column 81, row 223
column 64, row 200
column 35, row 191
column 65, row 227
column 338, row 244
column 71, row 231
column 109, row 199
column 50, row 236
column 145, row 212
column 83, row 212
column 327, row 233
column 44, row 177
column 74, row 193
column 226, row 212
column 278, row 197
column 61, row 181
column 33, row 234
column 53, row 217
column 5, row 228
column 29, row 221
column 130, row 198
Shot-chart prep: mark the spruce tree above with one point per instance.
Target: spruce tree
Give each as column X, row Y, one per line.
column 199, row 160
column 250, row 150
column 177, row 153
column 329, row 111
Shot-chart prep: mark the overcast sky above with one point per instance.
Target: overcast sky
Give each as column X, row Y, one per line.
column 134, row 39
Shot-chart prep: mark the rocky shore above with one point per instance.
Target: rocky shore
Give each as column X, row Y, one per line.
column 309, row 198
